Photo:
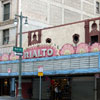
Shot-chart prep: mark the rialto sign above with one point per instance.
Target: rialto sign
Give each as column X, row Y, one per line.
column 38, row 52
column 48, row 51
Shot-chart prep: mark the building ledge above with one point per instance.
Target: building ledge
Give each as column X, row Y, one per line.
column 11, row 21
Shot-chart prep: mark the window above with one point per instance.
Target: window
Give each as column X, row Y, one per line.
column 6, row 11
column 98, row 7
column 75, row 38
column 48, row 40
column 94, row 39
column 5, row 36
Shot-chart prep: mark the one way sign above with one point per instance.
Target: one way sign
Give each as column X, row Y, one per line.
column 18, row 54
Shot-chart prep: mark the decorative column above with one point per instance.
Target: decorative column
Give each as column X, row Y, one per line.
column 87, row 38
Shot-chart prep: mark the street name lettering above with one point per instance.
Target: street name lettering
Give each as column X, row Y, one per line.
column 18, row 49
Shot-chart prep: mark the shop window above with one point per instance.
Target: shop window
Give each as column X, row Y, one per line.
column 6, row 15
column 97, row 7
column 48, row 40
column 5, row 36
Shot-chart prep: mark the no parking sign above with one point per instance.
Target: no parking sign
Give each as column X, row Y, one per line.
column 9, row 70
column 40, row 70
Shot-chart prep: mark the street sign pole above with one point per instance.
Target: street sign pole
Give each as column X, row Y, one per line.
column 40, row 73
column 40, row 89
column 19, row 50
column 20, row 62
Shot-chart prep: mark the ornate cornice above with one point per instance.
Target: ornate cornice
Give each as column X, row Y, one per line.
column 5, row 0
column 11, row 21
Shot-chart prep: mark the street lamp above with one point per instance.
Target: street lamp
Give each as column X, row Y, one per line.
column 20, row 56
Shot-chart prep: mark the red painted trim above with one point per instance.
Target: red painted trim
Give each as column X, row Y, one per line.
column 87, row 32
column 98, row 18
column 34, row 40
column 86, row 29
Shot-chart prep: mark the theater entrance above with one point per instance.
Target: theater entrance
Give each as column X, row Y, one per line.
column 61, row 89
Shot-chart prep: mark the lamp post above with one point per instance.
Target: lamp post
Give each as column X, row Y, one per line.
column 20, row 56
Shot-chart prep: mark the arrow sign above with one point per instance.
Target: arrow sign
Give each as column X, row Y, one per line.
column 19, row 54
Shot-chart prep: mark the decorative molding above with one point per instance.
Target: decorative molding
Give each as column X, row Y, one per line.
column 5, row 57
column 13, row 56
column 43, row 51
column 94, row 32
column 82, row 48
column 6, row 1
column 35, row 38
column 86, row 31
column 67, row 49
column 95, row 47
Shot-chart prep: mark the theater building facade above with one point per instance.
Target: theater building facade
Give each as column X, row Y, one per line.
column 69, row 55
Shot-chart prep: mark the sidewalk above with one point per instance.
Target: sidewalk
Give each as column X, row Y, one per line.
column 7, row 98
column 10, row 98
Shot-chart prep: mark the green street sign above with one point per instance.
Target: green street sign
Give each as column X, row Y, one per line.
column 18, row 49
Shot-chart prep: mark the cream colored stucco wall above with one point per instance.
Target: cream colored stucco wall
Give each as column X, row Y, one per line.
column 63, row 35
column 59, row 35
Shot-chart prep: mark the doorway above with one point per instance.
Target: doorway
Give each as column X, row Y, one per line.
column 61, row 89
column 4, row 87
